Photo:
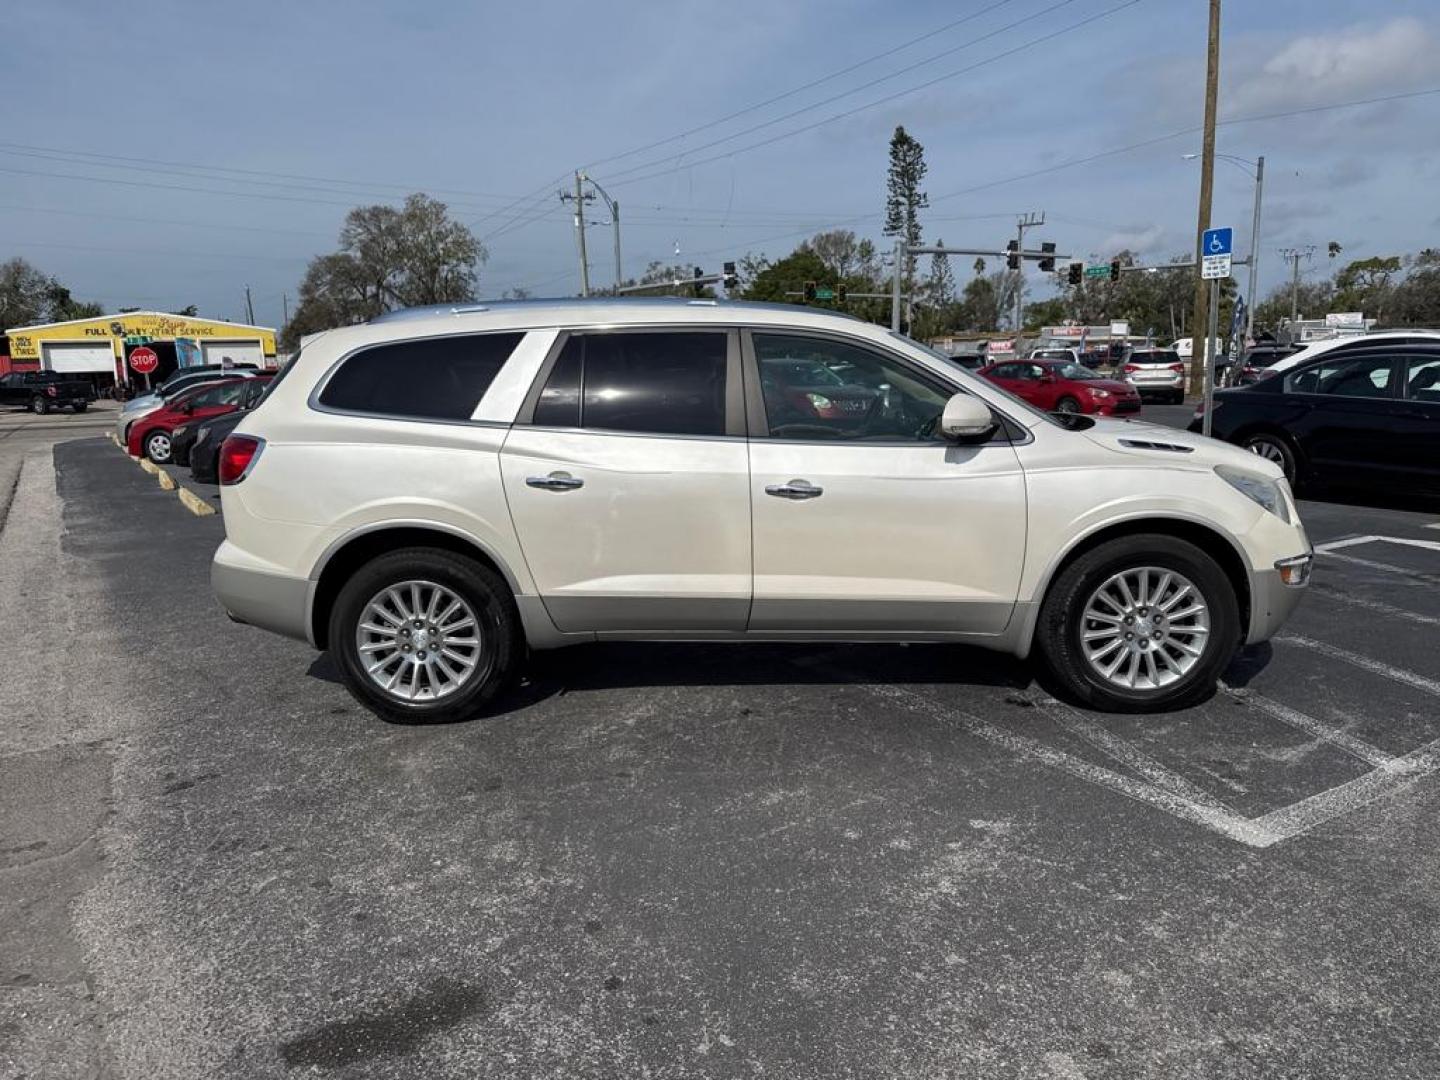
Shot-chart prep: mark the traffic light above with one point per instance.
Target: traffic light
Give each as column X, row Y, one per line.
column 1114, row 269
column 731, row 279
column 809, row 293
column 1012, row 260
column 699, row 289
column 1047, row 265
column 841, row 292
column 1077, row 271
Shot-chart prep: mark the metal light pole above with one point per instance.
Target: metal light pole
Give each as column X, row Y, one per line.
column 895, row 285
column 614, row 221
column 1207, row 180
column 1254, row 169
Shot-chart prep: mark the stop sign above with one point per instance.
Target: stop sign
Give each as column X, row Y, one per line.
column 144, row 360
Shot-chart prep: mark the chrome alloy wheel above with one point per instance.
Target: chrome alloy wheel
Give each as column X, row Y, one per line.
column 419, row 642
column 158, row 446
column 1145, row 628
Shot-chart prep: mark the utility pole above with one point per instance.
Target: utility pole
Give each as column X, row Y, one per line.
column 1293, row 256
column 249, row 307
column 580, row 198
column 900, row 257
column 1254, row 250
column 614, row 221
column 1207, row 189
column 1026, row 221
column 285, row 308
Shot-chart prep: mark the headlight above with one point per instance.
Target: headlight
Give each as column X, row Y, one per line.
column 1098, row 393
column 820, row 401
column 1258, row 489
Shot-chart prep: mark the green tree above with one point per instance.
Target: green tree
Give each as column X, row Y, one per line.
column 1416, row 301
column 390, row 257
column 845, row 256
column 904, row 196
column 1366, row 285
column 787, row 275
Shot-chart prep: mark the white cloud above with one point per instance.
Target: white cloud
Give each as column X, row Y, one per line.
column 1142, row 241
column 1344, row 64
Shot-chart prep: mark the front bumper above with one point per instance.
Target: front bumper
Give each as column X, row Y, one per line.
column 1275, row 594
column 259, row 597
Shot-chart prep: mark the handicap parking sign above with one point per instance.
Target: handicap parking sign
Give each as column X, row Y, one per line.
column 1217, row 241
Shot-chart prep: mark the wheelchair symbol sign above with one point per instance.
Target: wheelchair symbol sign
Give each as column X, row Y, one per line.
column 1217, row 241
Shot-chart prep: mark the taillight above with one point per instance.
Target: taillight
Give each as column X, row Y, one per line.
column 1130, row 369
column 1179, row 369
column 52, row 391
column 238, row 454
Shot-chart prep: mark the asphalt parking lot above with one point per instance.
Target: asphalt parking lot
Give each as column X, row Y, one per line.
column 678, row 861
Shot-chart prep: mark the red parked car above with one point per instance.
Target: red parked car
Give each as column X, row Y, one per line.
column 1064, row 387
column 151, row 435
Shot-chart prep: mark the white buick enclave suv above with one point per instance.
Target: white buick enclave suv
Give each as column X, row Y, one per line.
column 431, row 494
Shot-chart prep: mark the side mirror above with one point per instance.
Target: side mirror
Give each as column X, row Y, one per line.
column 967, row 419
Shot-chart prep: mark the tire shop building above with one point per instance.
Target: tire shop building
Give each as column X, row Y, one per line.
column 100, row 348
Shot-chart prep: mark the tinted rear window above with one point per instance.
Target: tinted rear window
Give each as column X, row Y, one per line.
column 1154, row 358
column 430, row 379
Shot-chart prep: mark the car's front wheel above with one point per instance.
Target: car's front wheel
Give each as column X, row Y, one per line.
column 39, row 404
column 1067, row 405
column 158, row 447
column 1140, row 623
column 424, row 635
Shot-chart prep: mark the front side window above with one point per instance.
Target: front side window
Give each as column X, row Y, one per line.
column 663, row 383
column 440, row 378
column 1345, row 376
column 1074, row 371
column 222, row 394
column 814, row 388
column 1422, row 378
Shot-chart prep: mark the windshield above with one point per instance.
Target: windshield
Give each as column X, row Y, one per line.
column 1050, row 354
column 1154, row 358
column 1074, row 371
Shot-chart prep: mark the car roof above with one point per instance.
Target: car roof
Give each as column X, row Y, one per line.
column 1357, row 341
column 600, row 309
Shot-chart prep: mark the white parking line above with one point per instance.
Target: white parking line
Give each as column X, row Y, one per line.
column 1374, row 564
column 1206, row 814
column 1371, row 755
column 1127, row 754
column 1301, row 817
column 1336, row 545
column 1409, row 678
column 1377, row 606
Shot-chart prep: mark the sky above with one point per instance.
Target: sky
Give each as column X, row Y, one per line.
column 159, row 153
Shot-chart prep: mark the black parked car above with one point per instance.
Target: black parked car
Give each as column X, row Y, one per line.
column 204, row 454
column 41, row 391
column 1355, row 417
column 182, row 439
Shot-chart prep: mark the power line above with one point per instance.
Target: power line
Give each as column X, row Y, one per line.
column 855, row 90
column 190, row 167
column 807, row 86
column 158, row 221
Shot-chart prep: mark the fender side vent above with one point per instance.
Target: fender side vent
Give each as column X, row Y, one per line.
column 1148, row 444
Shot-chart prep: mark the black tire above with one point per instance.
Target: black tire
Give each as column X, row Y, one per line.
column 1067, row 405
column 1062, row 621
column 1177, row 398
column 158, row 447
column 479, row 586
column 1275, row 448
column 40, row 405
column 80, row 406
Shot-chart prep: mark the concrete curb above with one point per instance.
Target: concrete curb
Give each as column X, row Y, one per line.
column 194, row 503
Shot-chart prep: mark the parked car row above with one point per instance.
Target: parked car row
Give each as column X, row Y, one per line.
column 188, row 426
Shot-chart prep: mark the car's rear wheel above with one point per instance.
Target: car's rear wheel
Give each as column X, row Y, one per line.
column 1274, row 448
column 1140, row 623
column 423, row 635
column 80, row 406
column 1177, row 397
column 158, row 447
column 1067, row 405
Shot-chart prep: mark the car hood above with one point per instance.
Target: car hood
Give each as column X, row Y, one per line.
column 1114, row 386
column 1171, row 447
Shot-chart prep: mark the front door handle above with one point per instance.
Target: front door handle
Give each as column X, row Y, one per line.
column 795, row 489
column 556, row 481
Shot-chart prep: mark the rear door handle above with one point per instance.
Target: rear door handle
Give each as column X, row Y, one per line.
column 795, row 489
column 556, row 481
